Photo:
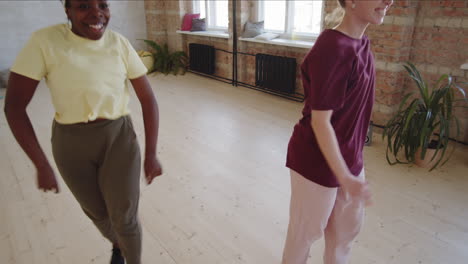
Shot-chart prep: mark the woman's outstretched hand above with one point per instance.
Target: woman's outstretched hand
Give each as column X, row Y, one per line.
column 46, row 180
column 153, row 169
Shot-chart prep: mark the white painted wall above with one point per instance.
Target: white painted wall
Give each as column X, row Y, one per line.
column 18, row 19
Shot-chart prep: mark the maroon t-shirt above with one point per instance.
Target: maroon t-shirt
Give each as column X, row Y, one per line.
column 338, row 74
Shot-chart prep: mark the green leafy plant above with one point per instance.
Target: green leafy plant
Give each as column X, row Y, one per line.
column 425, row 123
column 166, row 61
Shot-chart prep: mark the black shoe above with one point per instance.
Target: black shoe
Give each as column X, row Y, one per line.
column 117, row 257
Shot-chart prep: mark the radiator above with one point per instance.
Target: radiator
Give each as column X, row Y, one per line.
column 202, row 58
column 275, row 73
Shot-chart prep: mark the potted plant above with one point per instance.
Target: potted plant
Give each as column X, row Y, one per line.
column 166, row 61
column 422, row 128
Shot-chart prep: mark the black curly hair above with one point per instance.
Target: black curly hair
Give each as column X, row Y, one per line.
column 67, row 3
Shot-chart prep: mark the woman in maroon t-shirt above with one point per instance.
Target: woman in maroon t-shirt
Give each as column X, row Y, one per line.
column 328, row 190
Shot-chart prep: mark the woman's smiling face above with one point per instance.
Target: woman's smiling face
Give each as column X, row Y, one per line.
column 89, row 18
column 372, row 11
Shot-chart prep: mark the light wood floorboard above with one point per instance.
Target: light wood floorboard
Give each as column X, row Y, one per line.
column 224, row 195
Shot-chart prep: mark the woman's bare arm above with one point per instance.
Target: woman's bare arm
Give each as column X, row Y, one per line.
column 150, row 111
column 19, row 93
column 328, row 143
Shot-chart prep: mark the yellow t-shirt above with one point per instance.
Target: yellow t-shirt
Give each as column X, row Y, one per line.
column 87, row 78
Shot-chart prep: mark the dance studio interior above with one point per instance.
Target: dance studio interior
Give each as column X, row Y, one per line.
column 226, row 75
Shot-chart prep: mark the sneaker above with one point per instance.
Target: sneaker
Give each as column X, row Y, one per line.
column 117, row 257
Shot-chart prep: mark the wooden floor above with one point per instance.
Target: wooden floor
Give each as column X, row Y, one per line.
column 225, row 191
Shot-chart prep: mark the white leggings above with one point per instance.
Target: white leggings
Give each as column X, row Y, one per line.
column 316, row 210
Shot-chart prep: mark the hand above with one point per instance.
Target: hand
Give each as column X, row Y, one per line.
column 152, row 169
column 46, row 179
column 357, row 189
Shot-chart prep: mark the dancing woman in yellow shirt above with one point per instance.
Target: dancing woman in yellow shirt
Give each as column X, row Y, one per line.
column 86, row 68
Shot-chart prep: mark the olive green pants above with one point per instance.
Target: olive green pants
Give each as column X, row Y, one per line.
column 100, row 163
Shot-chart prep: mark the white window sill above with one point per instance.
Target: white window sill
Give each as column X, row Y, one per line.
column 464, row 66
column 283, row 42
column 213, row 34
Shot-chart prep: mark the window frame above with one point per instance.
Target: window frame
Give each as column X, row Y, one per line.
column 288, row 32
column 210, row 16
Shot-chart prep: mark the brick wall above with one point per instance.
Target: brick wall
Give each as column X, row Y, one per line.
column 156, row 25
column 440, row 45
column 391, row 44
column 432, row 34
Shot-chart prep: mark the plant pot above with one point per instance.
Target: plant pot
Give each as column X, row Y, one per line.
column 427, row 162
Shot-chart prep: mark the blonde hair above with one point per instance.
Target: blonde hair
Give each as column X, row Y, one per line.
column 334, row 18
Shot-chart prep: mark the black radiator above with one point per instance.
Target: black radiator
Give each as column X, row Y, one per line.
column 202, row 58
column 275, row 73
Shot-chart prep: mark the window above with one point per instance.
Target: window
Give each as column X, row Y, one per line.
column 301, row 19
column 216, row 13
